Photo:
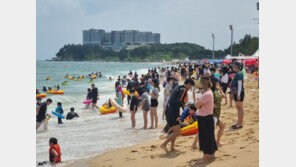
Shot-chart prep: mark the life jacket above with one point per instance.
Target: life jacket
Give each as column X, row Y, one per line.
column 56, row 147
column 58, row 109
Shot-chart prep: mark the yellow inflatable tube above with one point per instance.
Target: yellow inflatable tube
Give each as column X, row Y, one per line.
column 126, row 92
column 59, row 92
column 41, row 95
column 117, row 106
column 104, row 110
column 190, row 129
column 50, row 91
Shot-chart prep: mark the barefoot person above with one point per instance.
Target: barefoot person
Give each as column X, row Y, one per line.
column 41, row 111
column 217, row 110
column 177, row 99
column 145, row 107
column 206, row 129
column 237, row 90
column 154, row 103
column 133, row 107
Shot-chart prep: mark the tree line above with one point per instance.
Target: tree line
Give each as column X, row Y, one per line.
column 156, row 52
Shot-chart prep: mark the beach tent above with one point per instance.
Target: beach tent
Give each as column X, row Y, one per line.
column 251, row 61
column 256, row 54
column 187, row 61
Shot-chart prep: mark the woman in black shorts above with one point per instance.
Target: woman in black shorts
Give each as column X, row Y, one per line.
column 224, row 81
column 154, row 103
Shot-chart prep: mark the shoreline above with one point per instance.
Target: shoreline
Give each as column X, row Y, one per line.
column 241, row 148
column 87, row 117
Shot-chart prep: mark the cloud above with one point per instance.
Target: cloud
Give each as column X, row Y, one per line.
column 61, row 22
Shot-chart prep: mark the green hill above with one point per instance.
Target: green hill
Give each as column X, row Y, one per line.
column 157, row 52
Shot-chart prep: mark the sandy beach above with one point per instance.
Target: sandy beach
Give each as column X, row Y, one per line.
column 241, row 147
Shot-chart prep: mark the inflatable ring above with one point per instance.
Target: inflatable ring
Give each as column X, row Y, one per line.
column 126, row 92
column 104, row 110
column 70, row 77
column 190, row 129
column 41, row 95
column 87, row 101
column 50, row 91
column 59, row 92
column 90, row 81
column 65, row 83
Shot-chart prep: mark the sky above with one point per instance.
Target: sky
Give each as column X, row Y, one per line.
column 61, row 22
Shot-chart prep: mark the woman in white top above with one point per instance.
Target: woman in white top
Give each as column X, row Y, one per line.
column 224, row 81
column 167, row 93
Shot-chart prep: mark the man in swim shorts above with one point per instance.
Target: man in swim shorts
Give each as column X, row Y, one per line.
column 41, row 111
column 177, row 99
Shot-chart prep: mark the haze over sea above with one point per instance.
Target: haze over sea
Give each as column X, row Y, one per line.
column 91, row 133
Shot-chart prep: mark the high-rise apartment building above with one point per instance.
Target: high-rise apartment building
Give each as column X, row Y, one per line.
column 116, row 37
column 100, row 37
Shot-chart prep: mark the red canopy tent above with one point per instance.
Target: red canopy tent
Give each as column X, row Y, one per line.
column 226, row 61
column 252, row 61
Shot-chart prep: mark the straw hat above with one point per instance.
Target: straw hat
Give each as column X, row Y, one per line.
column 203, row 83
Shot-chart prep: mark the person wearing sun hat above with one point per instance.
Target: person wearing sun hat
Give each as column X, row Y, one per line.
column 206, row 134
column 237, row 90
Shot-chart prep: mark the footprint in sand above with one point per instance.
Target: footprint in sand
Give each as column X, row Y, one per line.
column 133, row 151
column 242, row 147
column 226, row 155
column 228, row 134
column 153, row 146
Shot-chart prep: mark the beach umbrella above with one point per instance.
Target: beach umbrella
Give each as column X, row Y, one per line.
column 226, row 61
column 250, row 62
column 219, row 61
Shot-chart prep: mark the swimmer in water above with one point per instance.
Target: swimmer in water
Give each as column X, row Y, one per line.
column 110, row 78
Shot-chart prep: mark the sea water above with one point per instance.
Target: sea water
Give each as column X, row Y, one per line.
column 92, row 133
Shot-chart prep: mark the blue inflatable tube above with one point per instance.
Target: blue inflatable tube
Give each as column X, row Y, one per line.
column 58, row 115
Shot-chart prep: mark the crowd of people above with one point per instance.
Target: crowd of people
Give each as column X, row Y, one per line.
column 209, row 85
column 212, row 88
